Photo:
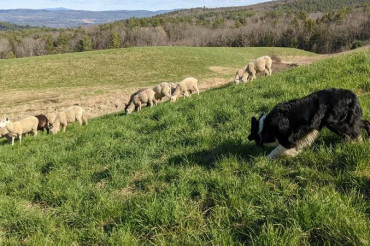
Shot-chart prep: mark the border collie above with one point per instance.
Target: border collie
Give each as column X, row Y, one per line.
column 296, row 124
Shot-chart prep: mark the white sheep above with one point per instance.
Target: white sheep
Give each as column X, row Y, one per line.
column 185, row 88
column 241, row 75
column 4, row 133
column 143, row 96
column 261, row 64
column 4, row 122
column 71, row 114
column 51, row 117
column 173, row 87
column 18, row 128
column 162, row 90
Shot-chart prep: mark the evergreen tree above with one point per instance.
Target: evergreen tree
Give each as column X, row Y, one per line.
column 115, row 40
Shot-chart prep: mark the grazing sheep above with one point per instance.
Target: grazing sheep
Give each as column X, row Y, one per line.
column 261, row 64
column 241, row 75
column 51, row 118
column 72, row 114
column 4, row 122
column 141, row 97
column 185, row 88
column 18, row 128
column 4, row 133
column 162, row 90
column 43, row 123
column 173, row 87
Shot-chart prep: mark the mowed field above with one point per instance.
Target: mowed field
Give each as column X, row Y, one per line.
column 185, row 174
column 101, row 81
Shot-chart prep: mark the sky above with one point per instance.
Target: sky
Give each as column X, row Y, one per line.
column 97, row 5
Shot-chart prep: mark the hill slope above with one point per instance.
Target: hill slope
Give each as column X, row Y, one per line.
column 99, row 78
column 67, row 18
column 185, row 173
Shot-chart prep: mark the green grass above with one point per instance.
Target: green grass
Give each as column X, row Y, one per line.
column 131, row 67
column 185, row 174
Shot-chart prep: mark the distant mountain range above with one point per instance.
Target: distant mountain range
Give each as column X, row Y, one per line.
column 63, row 18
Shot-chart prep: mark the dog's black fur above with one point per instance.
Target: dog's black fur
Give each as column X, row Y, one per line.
column 288, row 122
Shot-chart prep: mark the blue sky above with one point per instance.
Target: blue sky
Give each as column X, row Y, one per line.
column 122, row 5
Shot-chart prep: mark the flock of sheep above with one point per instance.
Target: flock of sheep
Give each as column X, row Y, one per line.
column 50, row 122
column 149, row 96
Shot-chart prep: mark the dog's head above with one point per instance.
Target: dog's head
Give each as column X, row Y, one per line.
column 259, row 133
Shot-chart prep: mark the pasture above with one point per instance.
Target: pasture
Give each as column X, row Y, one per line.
column 185, row 173
column 41, row 84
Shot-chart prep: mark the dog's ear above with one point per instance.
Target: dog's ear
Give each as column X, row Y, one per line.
column 254, row 128
column 254, row 122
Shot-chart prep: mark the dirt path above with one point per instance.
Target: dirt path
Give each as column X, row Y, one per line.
column 103, row 100
column 97, row 101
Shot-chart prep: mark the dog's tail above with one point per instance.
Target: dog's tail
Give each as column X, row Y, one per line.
column 366, row 125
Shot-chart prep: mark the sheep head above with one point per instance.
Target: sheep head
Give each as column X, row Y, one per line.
column 5, row 121
column 173, row 98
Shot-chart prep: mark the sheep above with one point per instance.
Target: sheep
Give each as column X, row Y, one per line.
column 241, row 75
column 4, row 122
column 43, row 123
column 141, row 97
column 185, row 88
column 4, row 133
column 18, row 128
column 261, row 64
column 71, row 114
column 162, row 90
column 173, row 87
column 51, row 118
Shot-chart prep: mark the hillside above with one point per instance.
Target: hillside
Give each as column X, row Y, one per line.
column 318, row 26
column 98, row 79
column 185, row 174
column 68, row 18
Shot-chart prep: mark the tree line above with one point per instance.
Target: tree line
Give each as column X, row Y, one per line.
column 283, row 26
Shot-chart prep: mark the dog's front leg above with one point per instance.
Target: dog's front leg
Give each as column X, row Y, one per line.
column 280, row 151
column 305, row 142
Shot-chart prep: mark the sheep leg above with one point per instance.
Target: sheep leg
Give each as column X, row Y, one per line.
column 84, row 118
column 64, row 127
column 13, row 140
column 139, row 106
column 155, row 102
column 20, row 138
column 253, row 76
column 35, row 132
column 197, row 89
column 79, row 119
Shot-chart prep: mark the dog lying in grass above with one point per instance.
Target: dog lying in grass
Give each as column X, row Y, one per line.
column 295, row 124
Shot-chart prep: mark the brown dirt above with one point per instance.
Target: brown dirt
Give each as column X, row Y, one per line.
column 99, row 101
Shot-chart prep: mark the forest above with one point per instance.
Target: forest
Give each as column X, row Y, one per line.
column 321, row 26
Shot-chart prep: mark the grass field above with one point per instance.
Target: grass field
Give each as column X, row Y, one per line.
column 185, row 173
column 130, row 67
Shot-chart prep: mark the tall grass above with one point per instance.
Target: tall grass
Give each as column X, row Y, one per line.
column 185, row 174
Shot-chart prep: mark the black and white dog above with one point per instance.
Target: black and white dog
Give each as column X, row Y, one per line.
column 296, row 124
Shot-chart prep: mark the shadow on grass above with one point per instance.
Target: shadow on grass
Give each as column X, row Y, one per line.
column 209, row 157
